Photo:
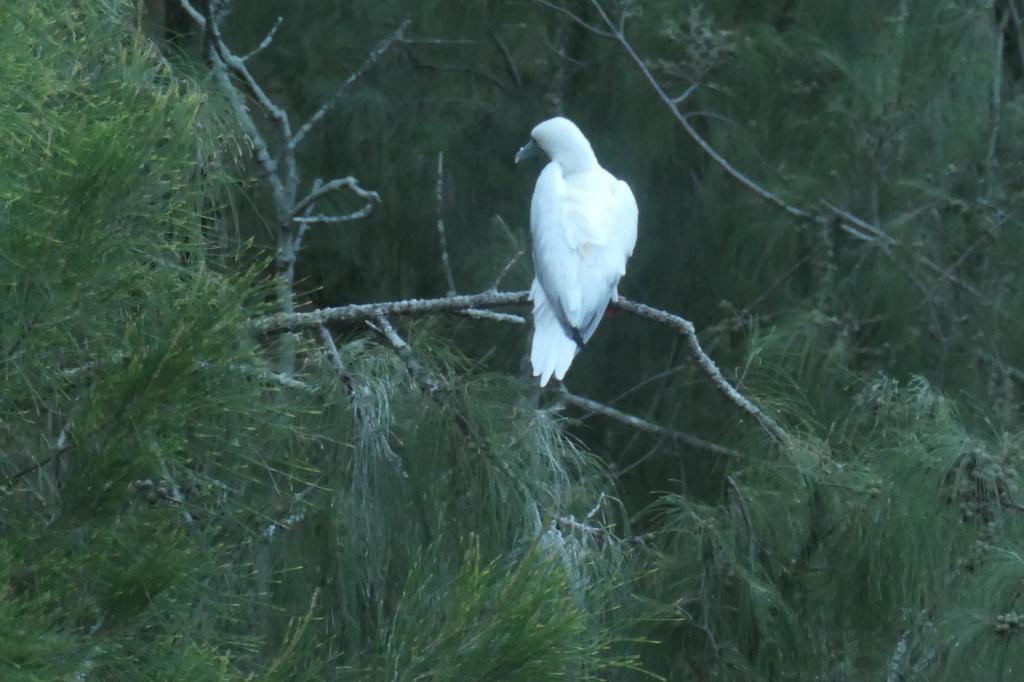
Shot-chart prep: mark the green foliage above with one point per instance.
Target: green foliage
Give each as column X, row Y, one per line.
column 170, row 509
column 517, row 621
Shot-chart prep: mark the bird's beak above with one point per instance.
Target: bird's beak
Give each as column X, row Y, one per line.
column 528, row 150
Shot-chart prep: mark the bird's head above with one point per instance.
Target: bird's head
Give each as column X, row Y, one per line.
column 563, row 142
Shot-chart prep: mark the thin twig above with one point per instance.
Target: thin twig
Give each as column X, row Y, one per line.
column 732, row 323
column 220, row 73
column 418, row 372
column 757, row 189
column 480, row 314
column 304, row 227
column 641, row 424
column 349, row 183
column 442, row 238
column 617, row 34
column 849, row 223
column 306, row 205
column 676, row 101
column 438, row 41
column 266, row 375
column 575, row 18
column 686, row 329
column 277, row 113
column 375, row 54
column 365, row 414
column 509, row 62
column 339, row 218
column 339, row 365
column 848, row 219
column 265, row 43
column 479, row 73
column 410, row 307
column 505, row 270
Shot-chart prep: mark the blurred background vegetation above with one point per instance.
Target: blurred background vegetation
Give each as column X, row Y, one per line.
column 177, row 505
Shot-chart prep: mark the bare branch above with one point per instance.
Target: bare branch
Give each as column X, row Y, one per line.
column 686, row 329
column 265, row 43
column 442, row 238
column 446, row 264
column 509, row 62
column 369, row 311
column 437, row 41
column 757, row 189
column 616, row 33
column 319, row 190
column 194, row 13
column 380, row 312
column 220, row 73
column 419, row 373
column 278, row 114
column 850, row 224
column 848, row 220
column 641, row 424
column 479, row 314
column 575, row 18
column 428, row 382
column 304, row 227
column 364, row 413
column 676, row 101
column 349, row 183
column 375, row 54
column 505, row 270
column 339, row 365
column 340, row 218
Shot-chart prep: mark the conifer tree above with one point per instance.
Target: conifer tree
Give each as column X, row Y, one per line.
column 265, row 420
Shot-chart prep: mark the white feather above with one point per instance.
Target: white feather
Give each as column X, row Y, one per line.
column 584, row 226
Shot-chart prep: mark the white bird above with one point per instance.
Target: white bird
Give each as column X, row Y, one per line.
column 583, row 222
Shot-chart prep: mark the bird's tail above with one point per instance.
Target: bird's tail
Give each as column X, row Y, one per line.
column 553, row 350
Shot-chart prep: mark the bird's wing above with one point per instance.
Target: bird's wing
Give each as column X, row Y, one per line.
column 556, row 263
column 584, row 228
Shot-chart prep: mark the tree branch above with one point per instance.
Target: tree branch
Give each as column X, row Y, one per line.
column 442, row 238
column 507, row 56
column 379, row 312
column 844, row 220
column 686, row 329
column 282, row 173
column 641, row 424
column 375, row 54
column 265, row 43
column 408, row 307
column 365, row 414
column 220, row 73
column 339, row 365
